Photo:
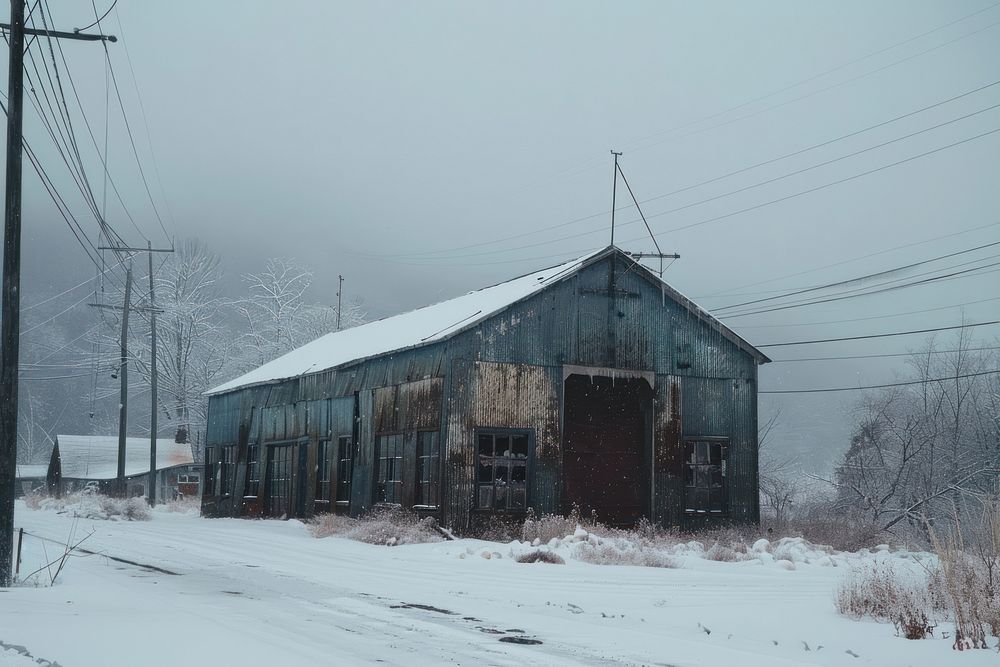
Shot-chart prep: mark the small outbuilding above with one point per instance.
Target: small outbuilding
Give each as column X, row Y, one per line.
column 79, row 461
column 592, row 384
column 29, row 478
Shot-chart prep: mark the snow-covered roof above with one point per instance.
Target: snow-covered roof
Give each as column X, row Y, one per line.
column 425, row 325
column 96, row 456
column 29, row 470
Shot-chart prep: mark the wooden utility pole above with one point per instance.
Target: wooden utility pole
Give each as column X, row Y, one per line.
column 126, row 308
column 10, row 311
column 152, row 380
column 123, row 391
column 340, row 298
column 10, row 306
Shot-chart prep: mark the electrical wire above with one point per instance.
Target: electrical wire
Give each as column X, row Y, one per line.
column 687, row 188
column 882, row 335
column 883, row 356
column 859, row 279
column 785, row 325
column 98, row 21
column 876, row 386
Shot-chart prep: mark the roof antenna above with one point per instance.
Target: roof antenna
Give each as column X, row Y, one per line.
column 614, row 191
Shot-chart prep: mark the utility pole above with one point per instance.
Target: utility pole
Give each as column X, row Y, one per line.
column 152, row 381
column 123, row 391
column 340, row 291
column 126, row 308
column 10, row 306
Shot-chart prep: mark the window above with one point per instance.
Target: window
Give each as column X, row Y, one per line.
column 253, row 471
column 323, row 472
column 210, row 470
column 190, row 478
column 343, row 469
column 428, row 467
column 502, row 471
column 227, row 467
column 704, row 476
column 390, row 469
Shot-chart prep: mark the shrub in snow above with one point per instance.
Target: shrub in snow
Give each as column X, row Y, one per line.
column 618, row 551
column 723, row 554
column 387, row 527
column 184, row 505
column 880, row 591
column 33, row 500
column 130, row 509
column 540, row 556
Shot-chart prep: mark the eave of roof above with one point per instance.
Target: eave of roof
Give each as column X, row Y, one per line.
column 563, row 271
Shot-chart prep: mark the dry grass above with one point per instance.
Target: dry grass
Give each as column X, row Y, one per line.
column 619, row 551
column 879, row 591
column 385, row 527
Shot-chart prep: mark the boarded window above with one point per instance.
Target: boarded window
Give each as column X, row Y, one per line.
column 253, row 471
column 323, row 466
column 389, row 487
column 210, row 470
column 343, row 470
column 704, row 476
column 227, row 470
column 428, row 468
column 502, row 470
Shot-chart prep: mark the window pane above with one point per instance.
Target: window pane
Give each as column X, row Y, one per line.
column 503, row 445
column 689, row 453
column 518, row 472
column 485, row 496
column 716, row 453
column 485, row 469
column 485, row 444
column 702, row 452
column 519, row 446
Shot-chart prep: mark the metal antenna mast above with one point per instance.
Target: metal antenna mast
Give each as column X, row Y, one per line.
column 614, row 192
column 340, row 292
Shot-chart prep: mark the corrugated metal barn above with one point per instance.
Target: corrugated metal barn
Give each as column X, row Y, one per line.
column 592, row 384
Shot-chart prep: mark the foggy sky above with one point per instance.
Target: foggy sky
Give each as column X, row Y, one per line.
column 364, row 138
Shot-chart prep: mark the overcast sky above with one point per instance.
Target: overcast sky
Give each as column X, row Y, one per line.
column 379, row 140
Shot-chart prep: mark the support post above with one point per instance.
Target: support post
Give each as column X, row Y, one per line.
column 152, row 381
column 10, row 312
column 123, row 391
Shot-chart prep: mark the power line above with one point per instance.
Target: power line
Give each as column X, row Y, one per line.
column 131, row 138
column 98, row 21
column 860, row 257
column 865, row 319
column 850, row 281
column 882, row 335
column 539, row 230
column 876, row 386
column 856, row 293
column 883, row 356
column 747, row 209
column 809, row 79
column 830, row 71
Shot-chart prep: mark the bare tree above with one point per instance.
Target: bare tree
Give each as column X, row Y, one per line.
column 277, row 317
column 920, row 450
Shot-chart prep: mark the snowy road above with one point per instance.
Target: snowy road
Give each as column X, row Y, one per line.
column 267, row 593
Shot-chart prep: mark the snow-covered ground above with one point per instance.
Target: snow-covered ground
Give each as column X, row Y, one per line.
column 268, row 593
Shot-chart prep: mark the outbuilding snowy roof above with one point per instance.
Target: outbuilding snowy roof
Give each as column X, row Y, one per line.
column 431, row 324
column 30, row 470
column 96, row 456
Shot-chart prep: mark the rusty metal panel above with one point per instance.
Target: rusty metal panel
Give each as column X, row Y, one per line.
column 668, row 453
column 363, row 474
column 459, row 450
column 419, row 404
